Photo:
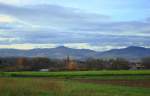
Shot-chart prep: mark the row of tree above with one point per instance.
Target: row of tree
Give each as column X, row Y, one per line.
column 38, row 63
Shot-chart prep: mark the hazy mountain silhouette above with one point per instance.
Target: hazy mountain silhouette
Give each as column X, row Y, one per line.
column 132, row 52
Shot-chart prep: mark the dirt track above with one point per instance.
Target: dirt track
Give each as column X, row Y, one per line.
column 131, row 83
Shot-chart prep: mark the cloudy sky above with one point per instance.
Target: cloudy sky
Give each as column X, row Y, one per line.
column 91, row 24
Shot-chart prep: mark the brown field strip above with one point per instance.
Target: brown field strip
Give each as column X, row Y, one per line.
column 130, row 83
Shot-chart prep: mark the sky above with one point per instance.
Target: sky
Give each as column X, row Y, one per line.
column 90, row 24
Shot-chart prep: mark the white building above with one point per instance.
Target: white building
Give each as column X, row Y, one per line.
column 44, row 70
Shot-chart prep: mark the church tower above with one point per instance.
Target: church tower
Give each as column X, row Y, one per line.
column 70, row 63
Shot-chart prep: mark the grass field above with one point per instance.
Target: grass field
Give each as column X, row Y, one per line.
column 80, row 83
column 77, row 73
column 52, row 87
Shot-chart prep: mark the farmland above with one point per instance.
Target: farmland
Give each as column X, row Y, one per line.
column 52, row 87
column 70, row 74
column 76, row 83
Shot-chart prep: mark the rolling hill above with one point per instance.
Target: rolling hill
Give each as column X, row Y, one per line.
column 132, row 52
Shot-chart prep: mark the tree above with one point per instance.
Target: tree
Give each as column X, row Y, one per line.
column 22, row 64
column 120, row 64
column 146, row 62
column 95, row 64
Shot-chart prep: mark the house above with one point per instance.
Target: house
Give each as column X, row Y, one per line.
column 136, row 66
column 44, row 70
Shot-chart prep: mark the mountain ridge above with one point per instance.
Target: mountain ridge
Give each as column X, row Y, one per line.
column 131, row 52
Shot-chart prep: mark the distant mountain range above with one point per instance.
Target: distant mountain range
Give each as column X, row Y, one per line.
column 132, row 52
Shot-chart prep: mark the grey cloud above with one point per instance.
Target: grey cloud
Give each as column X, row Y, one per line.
column 68, row 25
column 72, row 19
column 52, row 14
column 130, row 26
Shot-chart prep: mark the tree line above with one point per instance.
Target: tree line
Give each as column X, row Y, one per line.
column 38, row 63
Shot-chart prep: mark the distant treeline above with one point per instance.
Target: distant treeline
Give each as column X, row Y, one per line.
column 39, row 63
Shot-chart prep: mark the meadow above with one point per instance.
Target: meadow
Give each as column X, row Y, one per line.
column 76, row 83
column 52, row 87
column 71, row 74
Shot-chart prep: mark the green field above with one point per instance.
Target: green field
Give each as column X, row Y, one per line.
column 75, row 83
column 77, row 73
column 52, row 87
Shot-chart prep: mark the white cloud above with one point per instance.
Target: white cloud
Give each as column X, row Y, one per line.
column 28, row 46
column 23, row 2
column 6, row 19
column 13, row 2
column 7, row 39
column 92, row 47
